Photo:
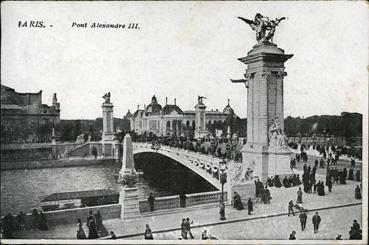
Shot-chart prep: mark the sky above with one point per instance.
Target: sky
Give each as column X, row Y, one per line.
column 182, row 50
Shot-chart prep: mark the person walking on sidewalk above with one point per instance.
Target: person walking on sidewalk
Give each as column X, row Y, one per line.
column 299, row 196
column 183, row 229
column 249, row 206
column 290, row 208
column 316, row 221
column 303, row 218
column 188, row 228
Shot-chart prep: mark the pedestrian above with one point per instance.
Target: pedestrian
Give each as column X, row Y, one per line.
column 268, row 196
column 316, row 221
column 290, row 208
column 204, row 235
column 21, row 220
column 80, row 232
column 249, row 206
column 356, row 225
column 92, row 229
column 182, row 199
column 292, row 236
column 351, row 174
column 183, row 229
column 222, row 210
column 112, row 235
column 151, row 201
column 355, row 232
column 188, row 228
column 90, row 217
column 148, row 233
column 35, row 218
column 358, row 175
column 237, row 202
column 99, row 221
column 303, row 218
column 357, row 192
column 329, row 184
column 299, row 196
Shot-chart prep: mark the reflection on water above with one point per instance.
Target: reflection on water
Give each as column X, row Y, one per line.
column 21, row 189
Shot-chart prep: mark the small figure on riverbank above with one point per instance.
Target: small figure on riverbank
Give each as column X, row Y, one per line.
column 182, row 199
column 151, row 201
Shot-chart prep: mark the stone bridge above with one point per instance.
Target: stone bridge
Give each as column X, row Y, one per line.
column 206, row 166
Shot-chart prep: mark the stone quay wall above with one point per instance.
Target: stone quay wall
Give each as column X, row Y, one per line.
column 52, row 163
column 170, row 202
column 70, row 216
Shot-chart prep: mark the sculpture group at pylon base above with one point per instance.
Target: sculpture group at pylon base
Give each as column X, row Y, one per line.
column 267, row 161
column 240, row 180
column 128, row 178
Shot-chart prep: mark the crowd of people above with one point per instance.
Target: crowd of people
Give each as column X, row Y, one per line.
column 217, row 146
column 11, row 223
column 288, row 181
column 95, row 226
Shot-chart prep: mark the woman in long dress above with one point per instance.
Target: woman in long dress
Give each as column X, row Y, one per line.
column 299, row 196
column 80, row 232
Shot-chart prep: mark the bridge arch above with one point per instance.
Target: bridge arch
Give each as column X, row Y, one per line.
column 185, row 161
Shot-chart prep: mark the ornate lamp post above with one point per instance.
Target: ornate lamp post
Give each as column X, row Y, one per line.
column 223, row 180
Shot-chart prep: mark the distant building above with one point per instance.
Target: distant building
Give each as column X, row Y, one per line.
column 23, row 113
column 172, row 120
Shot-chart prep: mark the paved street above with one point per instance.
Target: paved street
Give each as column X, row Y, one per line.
column 339, row 219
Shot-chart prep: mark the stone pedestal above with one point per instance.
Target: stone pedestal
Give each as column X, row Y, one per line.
column 264, row 76
column 129, row 202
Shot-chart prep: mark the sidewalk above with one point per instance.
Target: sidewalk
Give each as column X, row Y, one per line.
column 133, row 228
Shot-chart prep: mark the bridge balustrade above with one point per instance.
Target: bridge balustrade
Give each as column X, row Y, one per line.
column 161, row 203
column 170, row 202
column 204, row 198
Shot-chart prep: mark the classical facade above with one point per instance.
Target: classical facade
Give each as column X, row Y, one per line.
column 170, row 119
column 22, row 111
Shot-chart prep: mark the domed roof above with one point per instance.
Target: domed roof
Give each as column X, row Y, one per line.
column 153, row 108
column 167, row 109
column 228, row 109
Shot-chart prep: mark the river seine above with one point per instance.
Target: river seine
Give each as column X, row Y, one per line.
column 21, row 189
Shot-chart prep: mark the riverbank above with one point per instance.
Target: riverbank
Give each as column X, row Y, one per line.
column 53, row 163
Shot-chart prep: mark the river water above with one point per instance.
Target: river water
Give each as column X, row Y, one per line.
column 21, row 189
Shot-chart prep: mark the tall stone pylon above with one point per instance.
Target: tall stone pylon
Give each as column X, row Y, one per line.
column 200, row 121
column 108, row 126
column 266, row 152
